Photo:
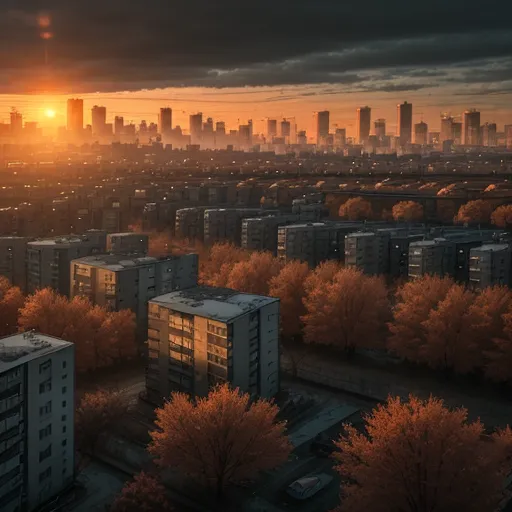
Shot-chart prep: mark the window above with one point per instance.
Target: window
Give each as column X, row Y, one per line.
column 64, row 390
column 64, row 417
column 45, row 409
column 45, row 474
column 45, row 386
column 46, row 365
column 45, row 432
column 65, row 376
column 64, row 364
column 64, row 428
column 64, row 442
column 64, row 403
column 43, row 455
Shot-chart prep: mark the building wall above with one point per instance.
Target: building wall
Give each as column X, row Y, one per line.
column 269, row 350
column 13, row 256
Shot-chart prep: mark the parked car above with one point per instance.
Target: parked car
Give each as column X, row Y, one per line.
column 307, row 486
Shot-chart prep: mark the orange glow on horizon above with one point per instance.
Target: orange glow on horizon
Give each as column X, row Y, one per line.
column 50, row 113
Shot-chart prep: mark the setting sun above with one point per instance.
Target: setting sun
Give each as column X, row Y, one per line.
column 49, row 113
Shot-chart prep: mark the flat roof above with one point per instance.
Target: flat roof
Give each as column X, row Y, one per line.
column 492, row 247
column 222, row 304
column 23, row 347
column 126, row 234
column 117, row 262
column 59, row 241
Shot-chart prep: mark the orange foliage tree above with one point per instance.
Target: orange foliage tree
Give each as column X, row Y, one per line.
column 449, row 341
column 100, row 337
column 414, row 301
column 220, row 439
column 420, row 456
column 499, row 367
column 145, row 493
column 288, row 286
column 11, row 300
column 474, row 212
column 502, row 216
column 97, row 414
column 408, row 211
column 254, row 275
column 217, row 265
column 347, row 312
column 356, row 208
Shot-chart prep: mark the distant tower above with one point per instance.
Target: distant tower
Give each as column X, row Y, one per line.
column 16, row 123
column 446, row 127
column 99, row 120
column 471, row 128
column 489, row 137
column 75, row 115
column 271, row 128
column 364, row 119
column 285, row 128
column 421, row 133
column 119, row 125
column 404, row 123
column 380, row 128
column 322, row 126
column 165, row 121
column 196, row 127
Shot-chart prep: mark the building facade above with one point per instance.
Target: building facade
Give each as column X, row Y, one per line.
column 489, row 265
column 13, row 260
column 431, row 257
column 127, row 243
column 36, row 419
column 368, row 252
column 404, row 123
column 204, row 336
column 190, row 223
column 364, row 119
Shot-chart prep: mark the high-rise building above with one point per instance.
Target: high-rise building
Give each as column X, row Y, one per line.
column 322, row 126
column 404, row 123
column 99, row 120
column 421, row 133
column 37, row 404
column 457, row 133
column 127, row 243
column 196, row 127
column 75, row 115
column 446, row 128
column 285, row 128
column 271, row 128
column 340, row 137
column 220, row 128
column 13, row 258
column 431, row 257
column 489, row 137
column 471, row 128
column 119, row 125
column 202, row 336
column 165, row 121
column 508, row 135
column 380, row 128
column 368, row 252
column 208, row 126
column 364, row 120
column 16, row 123
column 489, row 265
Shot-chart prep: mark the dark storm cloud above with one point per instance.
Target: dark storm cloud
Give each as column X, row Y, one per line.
column 114, row 44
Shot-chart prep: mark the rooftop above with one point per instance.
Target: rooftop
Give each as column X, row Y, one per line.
column 59, row 241
column 127, row 234
column 22, row 347
column 492, row 247
column 117, row 262
column 220, row 304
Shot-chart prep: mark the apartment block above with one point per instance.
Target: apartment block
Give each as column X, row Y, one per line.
column 48, row 259
column 224, row 225
column 399, row 253
column 13, row 257
column 260, row 233
column 36, row 419
column 121, row 282
column 203, row 336
column 127, row 243
column 368, row 252
column 190, row 223
column 314, row 242
column 489, row 265
column 431, row 257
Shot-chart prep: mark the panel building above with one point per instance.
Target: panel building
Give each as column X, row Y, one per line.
column 322, row 126
column 421, row 133
column 203, row 336
column 404, row 123
column 190, row 223
column 431, row 257
column 165, row 122
column 127, row 243
column 13, row 260
column 364, row 120
column 260, row 233
column 471, row 128
column 368, row 252
column 120, row 282
column 36, row 419
column 225, row 224
column 48, row 259
column 489, row 265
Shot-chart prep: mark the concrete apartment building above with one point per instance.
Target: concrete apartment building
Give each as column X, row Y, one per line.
column 368, row 252
column 260, row 233
column 203, row 336
column 13, row 260
column 225, row 224
column 314, row 242
column 48, row 259
column 489, row 265
column 190, row 223
column 36, row 419
column 127, row 243
column 431, row 257
column 123, row 282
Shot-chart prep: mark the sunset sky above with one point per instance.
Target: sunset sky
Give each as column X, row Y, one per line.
column 274, row 58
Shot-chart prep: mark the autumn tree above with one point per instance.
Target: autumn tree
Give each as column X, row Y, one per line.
column 288, row 286
column 474, row 212
column 145, row 493
column 254, row 275
column 502, row 216
column 408, row 211
column 216, row 267
column 414, row 301
column 348, row 312
column 356, row 208
column 499, row 367
column 321, row 275
column 97, row 414
column 11, row 300
column 421, row 456
column 220, row 439
column 449, row 341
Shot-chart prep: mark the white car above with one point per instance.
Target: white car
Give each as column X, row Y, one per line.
column 307, row 486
